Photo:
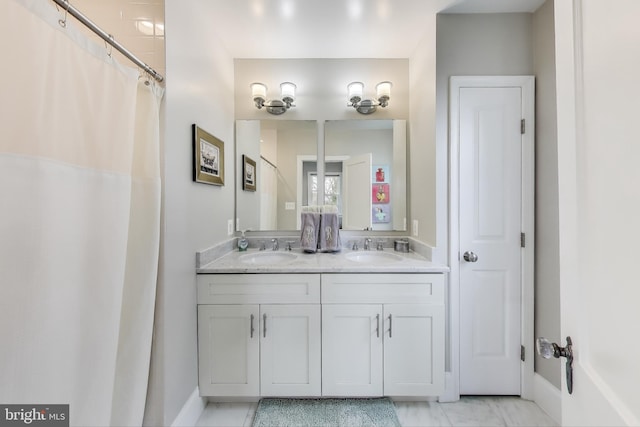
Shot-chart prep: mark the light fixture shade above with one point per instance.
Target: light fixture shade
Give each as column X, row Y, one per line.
column 258, row 91
column 383, row 90
column 288, row 91
column 354, row 91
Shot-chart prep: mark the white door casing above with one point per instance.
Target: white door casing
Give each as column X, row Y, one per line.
column 491, row 204
column 597, row 65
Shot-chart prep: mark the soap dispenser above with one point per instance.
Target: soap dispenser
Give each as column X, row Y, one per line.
column 243, row 242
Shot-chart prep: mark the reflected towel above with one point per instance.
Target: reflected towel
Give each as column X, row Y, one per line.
column 310, row 223
column 329, row 240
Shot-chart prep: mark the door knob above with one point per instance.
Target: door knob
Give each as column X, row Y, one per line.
column 470, row 256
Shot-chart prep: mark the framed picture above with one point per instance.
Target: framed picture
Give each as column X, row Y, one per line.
column 208, row 157
column 380, row 193
column 381, row 214
column 380, row 173
column 248, row 174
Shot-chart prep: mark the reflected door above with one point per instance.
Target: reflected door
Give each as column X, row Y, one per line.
column 356, row 213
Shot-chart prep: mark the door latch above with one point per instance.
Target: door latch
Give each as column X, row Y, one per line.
column 546, row 349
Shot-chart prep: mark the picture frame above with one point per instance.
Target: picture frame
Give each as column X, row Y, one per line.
column 380, row 193
column 380, row 214
column 249, row 171
column 208, row 157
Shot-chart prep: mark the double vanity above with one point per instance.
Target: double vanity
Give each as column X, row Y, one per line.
column 290, row 324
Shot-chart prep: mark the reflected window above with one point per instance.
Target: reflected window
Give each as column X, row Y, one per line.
column 332, row 187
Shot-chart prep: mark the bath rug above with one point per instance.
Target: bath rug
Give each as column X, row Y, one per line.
column 378, row 412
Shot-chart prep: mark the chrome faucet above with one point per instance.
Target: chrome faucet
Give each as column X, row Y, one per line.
column 367, row 244
column 275, row 244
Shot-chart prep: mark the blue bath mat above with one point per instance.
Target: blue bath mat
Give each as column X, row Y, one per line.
column 378, row 412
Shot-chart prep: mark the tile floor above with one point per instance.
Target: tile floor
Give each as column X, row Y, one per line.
column 468, row 411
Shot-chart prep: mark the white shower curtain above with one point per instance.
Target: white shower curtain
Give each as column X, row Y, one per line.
column 268, row 196
column 79, row 224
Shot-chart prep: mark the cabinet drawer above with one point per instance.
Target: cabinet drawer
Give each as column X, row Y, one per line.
column 258, row 288
column 383, row 288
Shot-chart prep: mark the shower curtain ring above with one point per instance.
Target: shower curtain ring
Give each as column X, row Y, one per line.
column 109, row 47
column 63, row 22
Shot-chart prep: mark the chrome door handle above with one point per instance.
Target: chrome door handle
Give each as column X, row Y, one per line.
column 252, row 328
column 378, row 325
column 390, row 326
column 470, row 256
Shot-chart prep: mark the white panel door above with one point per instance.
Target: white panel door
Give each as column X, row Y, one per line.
column 490, row 226
column 351, row 350
column 228, row 350
column 356, row 203
column 290, row 350
column 599, row 207
column 413, row 350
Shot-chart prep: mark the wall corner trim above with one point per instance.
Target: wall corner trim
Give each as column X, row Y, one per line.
column 191, row 410
column 547, row 397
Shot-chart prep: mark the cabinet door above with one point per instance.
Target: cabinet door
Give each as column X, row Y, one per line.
column 290, row 350
column 413, row 350
column 352, row 350
column 228, row 350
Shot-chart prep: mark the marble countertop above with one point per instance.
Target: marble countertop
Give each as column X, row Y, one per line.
column 296, row 261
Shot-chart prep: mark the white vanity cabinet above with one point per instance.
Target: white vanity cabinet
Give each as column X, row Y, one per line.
column 382, row 334
column 321, row 334
column 259, row 335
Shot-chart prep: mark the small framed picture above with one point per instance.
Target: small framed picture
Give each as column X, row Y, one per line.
column 381, row 214
column 380, row 193
column 208, row 157
column 248, row 174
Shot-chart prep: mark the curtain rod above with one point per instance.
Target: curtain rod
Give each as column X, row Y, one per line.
column 108, row 38
column 265, row 159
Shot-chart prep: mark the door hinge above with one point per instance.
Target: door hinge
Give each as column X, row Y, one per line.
column 522, row 240
column 522, row 353
column 522, row 126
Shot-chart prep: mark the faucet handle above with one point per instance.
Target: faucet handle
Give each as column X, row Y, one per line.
column 355, row 245
column 263, row 245
column 367, row 244
column 380, row 244
column 289, row 243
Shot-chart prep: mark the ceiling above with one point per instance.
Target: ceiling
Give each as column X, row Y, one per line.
column 336, row 28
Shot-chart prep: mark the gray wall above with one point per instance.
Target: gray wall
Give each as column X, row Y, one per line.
column 482, row 44
column 194, row 215
column 547, row 270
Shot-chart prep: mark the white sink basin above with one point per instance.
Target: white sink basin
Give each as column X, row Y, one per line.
column 373, row 257
column 264, row 258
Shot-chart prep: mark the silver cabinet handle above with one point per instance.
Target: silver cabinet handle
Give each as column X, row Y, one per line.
column 378, row 325
column 252, row 328
column 264, row 325
column 470, row 256
column 390, row 325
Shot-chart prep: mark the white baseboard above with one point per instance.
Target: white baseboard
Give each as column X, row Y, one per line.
column 547, row 397
column 191, row 410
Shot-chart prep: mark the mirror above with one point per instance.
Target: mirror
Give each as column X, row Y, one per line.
column 365, row 173
column 269, row 195
column 276, row 147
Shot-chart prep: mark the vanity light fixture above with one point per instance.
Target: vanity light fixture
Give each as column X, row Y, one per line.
column 368, row 106
column 274, row 106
